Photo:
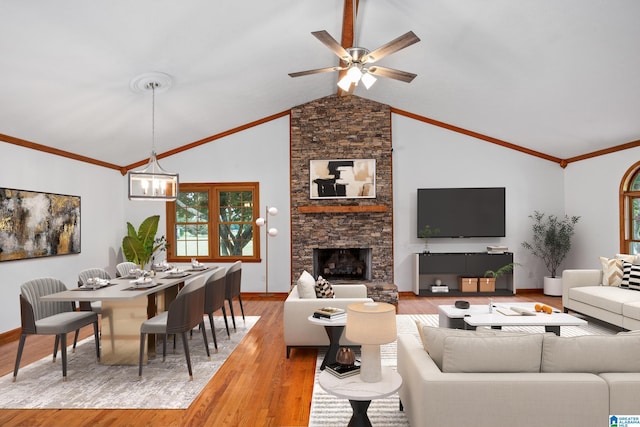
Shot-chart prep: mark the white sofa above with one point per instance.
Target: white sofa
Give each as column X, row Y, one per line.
column 484, row 383
column 299, row 332
column 582, row 292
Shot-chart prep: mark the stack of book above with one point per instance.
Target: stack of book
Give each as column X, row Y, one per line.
column 343, row 371
column 329, row 313
column 497, row 249
column 439, row 288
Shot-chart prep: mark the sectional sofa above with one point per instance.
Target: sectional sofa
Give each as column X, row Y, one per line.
column 590, row 292
column 487, row 378
column 298, row 331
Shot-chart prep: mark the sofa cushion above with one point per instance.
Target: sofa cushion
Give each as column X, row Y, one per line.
column 630, row 275
column 608, row 298
column 323, row 288
column 306, row 286
column 591, row 353
column 632, row 310
column 433, row 340
column 492, row 353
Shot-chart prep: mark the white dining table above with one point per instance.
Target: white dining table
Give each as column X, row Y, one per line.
column 125, row 306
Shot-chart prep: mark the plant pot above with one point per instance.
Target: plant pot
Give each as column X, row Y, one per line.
column 553, row 286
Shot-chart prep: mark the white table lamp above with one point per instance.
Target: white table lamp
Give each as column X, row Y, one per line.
column 371, row 324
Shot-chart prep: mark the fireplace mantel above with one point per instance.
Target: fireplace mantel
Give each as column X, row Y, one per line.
column 341, row 209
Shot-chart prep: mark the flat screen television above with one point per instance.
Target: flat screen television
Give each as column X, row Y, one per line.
column 462, row 212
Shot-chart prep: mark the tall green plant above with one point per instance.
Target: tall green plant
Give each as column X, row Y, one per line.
column 139, row 245
column 551, row 239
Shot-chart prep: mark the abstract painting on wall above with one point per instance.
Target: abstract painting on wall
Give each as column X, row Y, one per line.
column 343, row 179
column 34, row 224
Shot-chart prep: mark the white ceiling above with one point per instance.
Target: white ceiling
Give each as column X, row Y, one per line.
column 559, row 77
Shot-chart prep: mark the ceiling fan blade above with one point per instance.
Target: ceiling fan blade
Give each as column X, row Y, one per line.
column 392, row 74
column 395, row 45
column 316, row 71
column 332, row 44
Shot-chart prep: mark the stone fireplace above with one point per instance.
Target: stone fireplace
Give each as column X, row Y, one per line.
column 335, row 264
column 342, row 128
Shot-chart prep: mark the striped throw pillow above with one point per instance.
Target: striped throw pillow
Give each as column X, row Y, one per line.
column 630, row 275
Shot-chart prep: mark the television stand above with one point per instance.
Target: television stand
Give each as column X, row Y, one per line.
column 449, row 267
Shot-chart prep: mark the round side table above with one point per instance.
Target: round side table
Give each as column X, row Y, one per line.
column 360, row 393
column 334, row 329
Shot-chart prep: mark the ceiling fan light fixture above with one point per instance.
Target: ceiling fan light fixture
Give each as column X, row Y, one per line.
column 368, row 80
column 344, row 83
column 354, row 74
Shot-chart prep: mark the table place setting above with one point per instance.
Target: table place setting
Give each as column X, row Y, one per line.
column 94, row 283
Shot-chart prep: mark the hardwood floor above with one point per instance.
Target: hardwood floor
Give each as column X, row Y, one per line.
column 257, row 386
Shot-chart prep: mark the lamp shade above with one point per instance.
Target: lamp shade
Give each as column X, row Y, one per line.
column 371, row 323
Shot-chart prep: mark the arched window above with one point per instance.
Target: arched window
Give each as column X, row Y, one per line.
column 630, row 211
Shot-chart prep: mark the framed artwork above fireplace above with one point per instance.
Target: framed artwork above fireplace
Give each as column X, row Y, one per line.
column 342, row 179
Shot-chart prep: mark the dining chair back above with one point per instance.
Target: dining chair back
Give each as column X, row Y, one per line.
column 232, row 288
column 57, row 318
column 83, row 278
column 184, row 313
column 214, row 300
column 123, row 269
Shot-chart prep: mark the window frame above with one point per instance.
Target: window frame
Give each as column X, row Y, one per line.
column 214, row 189
column 626, row 208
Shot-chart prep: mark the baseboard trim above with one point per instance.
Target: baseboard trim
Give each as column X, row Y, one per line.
column 10, row 336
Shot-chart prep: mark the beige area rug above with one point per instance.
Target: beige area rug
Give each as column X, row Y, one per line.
column 164, row 385
column 328, row 410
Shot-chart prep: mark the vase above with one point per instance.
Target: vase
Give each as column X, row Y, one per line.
column 553, row 286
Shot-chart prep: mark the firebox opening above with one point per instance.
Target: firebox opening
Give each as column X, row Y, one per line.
column 342, row 263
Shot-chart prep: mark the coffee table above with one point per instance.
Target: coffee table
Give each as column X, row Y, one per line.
column 360, row 393
column 479, row 315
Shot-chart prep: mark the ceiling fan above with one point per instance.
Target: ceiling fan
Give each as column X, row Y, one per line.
column 357, row 61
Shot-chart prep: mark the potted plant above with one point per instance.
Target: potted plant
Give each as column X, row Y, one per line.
column 488, row 282
column 140, row 245
column 551, row 243
column 426, row 233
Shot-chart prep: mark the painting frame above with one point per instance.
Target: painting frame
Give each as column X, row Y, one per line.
column 35, row 224
column 342, row 179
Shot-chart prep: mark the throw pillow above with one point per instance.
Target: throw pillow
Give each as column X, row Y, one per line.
column 492, row 353
column 591, row 353
column 611, row 271
column 630, row 275
column 306, row 286
column 323, row 288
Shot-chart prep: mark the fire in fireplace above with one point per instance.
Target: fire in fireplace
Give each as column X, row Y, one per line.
column 342, row 263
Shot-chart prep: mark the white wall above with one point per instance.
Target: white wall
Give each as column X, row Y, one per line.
column 256, row 154
column 427, row 156
column 100, row 215
column 423, row 156
column 592, row 188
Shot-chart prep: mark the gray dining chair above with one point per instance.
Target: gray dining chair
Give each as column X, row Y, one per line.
column 123, row 269
column 214, row 300
column 184, row 313
column 232, row 288
column 51, row 318
column 83, row 277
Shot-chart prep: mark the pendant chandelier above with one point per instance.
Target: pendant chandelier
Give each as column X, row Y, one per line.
column 152, row 182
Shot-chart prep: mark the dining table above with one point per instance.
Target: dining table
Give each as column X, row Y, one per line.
column 126, row 303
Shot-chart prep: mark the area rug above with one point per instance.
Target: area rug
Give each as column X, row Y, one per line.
column 90, row 385
column 328, row 410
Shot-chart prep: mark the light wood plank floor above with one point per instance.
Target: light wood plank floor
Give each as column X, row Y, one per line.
column 257, row 386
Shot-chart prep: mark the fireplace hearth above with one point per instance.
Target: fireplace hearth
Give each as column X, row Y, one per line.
column 342, row 263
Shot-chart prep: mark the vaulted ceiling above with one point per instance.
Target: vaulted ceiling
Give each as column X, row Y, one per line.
column 558, row 77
